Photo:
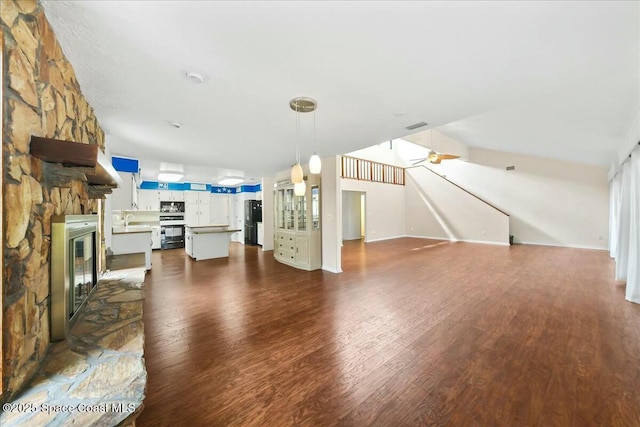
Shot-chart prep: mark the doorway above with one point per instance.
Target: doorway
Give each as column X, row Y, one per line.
column 353, row 215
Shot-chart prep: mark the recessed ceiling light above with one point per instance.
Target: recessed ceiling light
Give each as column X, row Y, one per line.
column 195, row 77
column 230, row 180
column 169, row 176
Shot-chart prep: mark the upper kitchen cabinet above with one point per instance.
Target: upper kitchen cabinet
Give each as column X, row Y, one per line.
column 220, row 209
column 148, row 200
column 197, row 208
column 197, row 198
column 123, row 197
column 171, row 196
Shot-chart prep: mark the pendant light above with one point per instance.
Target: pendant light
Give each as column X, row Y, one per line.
column 304, row 105
column 297, row 175
column 299, row 188
column 315, row 164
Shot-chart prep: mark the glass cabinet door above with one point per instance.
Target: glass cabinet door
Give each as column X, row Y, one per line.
column 288, row 209
column 279, row 205
column 302, row 213
column 315, row 207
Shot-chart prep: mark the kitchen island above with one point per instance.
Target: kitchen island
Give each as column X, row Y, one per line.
column 208, row 241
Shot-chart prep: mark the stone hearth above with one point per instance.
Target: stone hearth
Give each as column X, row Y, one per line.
column 97, row 376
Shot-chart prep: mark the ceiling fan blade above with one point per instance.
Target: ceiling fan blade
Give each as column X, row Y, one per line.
column 448, row 156
column 435, row 161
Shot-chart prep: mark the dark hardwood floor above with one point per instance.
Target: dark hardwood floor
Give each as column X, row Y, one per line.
column 414, row 332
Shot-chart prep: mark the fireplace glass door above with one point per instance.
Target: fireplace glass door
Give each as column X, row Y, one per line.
column 83, row 270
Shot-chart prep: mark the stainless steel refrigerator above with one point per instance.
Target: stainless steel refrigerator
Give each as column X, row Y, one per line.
column 252, row 216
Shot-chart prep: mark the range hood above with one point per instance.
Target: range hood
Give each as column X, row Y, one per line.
column 86, row 161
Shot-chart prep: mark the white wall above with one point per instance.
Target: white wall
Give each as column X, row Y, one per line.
column 267, row 213
column 435, row 208
column 381, row 153
column 550, row 202
column 331, row 207
column 351, row 209
column 385, row 207
column 236, row 216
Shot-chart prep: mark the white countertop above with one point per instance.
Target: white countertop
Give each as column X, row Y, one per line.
column 208, row 226
column 121, row 229
column 211, row 230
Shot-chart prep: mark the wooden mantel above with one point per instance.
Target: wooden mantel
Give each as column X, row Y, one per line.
column 79, row 161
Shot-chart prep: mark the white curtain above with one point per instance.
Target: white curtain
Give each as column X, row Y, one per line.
column 614, row 212
column 633, row 268
column 624, row 222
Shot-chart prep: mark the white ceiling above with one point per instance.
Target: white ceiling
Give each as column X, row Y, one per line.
column 551, row 79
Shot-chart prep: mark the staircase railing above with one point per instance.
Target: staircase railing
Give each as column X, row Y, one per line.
column 367, row 170
column 461, row 188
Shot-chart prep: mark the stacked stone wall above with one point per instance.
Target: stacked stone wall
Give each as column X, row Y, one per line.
column 42, row 97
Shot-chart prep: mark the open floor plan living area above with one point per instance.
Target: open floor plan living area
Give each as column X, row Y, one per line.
column 356, row 213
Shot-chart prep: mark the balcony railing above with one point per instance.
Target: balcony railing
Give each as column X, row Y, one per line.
column 366, row 170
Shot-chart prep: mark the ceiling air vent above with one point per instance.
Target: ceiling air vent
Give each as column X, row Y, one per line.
column 511, row 168
column 416, row 125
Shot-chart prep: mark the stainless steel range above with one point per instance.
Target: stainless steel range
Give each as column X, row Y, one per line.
column 171, row 230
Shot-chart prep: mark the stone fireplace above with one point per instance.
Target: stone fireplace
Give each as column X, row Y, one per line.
column 74, row 269
column 41, row 97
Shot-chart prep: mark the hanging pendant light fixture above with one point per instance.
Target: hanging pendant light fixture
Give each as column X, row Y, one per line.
column 304, row 105
column 300, row 188
column 315, row 164
column 297, row 174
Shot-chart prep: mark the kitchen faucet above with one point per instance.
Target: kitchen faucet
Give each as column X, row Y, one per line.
column 126, row 219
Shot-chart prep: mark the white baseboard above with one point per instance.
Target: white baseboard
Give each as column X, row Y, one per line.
column 383, row 238
column 558, row 245
column 484, row 242
column 428, row 237
column 453, row 241
column 599, row 248
column 331, row 270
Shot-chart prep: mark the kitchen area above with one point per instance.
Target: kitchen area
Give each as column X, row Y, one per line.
column 199, row 219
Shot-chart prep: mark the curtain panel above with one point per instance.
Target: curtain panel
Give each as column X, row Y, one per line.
column 624, row 225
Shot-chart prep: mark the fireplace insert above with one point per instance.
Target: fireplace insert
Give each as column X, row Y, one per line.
column 74, row 272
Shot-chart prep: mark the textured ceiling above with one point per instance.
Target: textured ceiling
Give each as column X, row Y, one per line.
column 551, row 79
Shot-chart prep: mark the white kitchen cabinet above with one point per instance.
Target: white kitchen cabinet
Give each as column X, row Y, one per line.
column 260, row 234
column 220, row 209
column 122, row 198
column 297, row 225
column 156, row 241
column 188, row 241
column 148, row 200
column 131, row 240
column 171, row 195
column 197, row 208
column 197, row 197
column 207, row 242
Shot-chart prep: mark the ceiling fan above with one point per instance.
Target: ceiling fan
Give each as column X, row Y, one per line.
column 434, row 158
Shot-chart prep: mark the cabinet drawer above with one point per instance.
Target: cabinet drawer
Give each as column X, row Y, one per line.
column 286, row 245
column 286, row 255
